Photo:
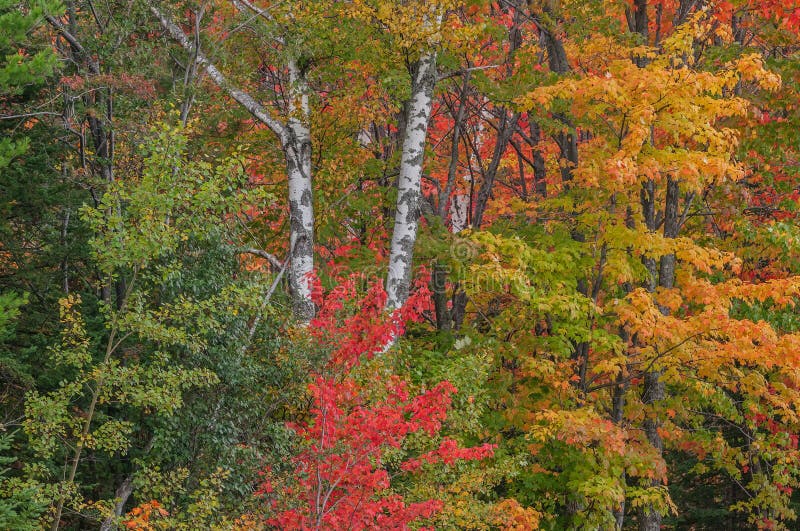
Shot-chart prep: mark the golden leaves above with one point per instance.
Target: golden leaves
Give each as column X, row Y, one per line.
column 662, row 119
column 751, row 68
column 510, row 515
column 413, row 24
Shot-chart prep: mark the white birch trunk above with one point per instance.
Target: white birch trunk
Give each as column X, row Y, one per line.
column 407, row 212
column 296, row 142
column 458, row 213
column 295, row 138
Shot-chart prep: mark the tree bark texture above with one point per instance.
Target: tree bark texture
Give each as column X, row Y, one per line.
column 407, row 211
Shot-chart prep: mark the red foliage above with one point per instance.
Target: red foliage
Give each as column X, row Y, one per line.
column 368, row 331
column 448, row 453
column 341, row 482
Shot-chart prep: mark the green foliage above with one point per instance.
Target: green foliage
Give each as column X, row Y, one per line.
column 21, row 70
column 19, row 507
column 130, row 381
column 10, row 305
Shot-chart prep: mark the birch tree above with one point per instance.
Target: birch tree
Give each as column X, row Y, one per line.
column 415, row 30
column 294, row 135
column 407, row 210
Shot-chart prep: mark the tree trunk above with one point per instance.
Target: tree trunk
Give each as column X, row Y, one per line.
column 406, row 217
column 297, row 150
column 539, row 170
column 505, row 130
column 654, row 389
column 440, row 298
column 121, row 495
column 617, row 416
column 452, row 170
column 637, row 19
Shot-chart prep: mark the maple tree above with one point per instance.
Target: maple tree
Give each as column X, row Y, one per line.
column 341, row 471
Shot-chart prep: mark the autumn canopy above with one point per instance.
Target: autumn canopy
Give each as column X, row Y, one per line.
column 399, row 264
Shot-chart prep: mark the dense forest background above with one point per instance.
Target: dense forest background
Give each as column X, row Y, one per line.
column 399, row 264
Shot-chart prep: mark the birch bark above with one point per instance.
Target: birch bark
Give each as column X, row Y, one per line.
column 406, row 218
column 296, row 142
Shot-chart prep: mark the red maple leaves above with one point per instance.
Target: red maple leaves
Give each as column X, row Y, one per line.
column 342, row 481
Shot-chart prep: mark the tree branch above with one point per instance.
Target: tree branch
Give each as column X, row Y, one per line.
column 94, row 67
column 246, row 100
column 269, row 257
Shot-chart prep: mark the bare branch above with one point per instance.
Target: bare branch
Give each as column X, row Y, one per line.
column 271, row 258
column 94, row 67
column 29, row 115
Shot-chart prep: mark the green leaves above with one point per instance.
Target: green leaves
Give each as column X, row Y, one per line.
column 143, row 220
column 167, row 240
column 153, row 387
column 22, row 69
column 19, row 507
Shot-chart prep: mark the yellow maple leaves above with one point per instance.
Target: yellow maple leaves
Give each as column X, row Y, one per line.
column 414, row 24
column 661, row 119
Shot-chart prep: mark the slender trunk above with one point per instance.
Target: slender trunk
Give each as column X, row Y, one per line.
column 121, row 495
column 617, row 415
column 457, row 208
column 558, row 63
column 539, row 170
column 99, row 128
column 81, row 442
column 65, row 259
column 507, row 126
column 666, row 273
column 649, row 517
column 505, row 133
column 654, row 389
column 459, row 307
column 458, row 119
column 621, row 386
column 297, row 150
column 407, row 210
column 440, row 299
column 686, row 8
column 648, row 201
column 637, row 18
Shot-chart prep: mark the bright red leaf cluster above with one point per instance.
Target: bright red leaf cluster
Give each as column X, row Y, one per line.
column 341, row 478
